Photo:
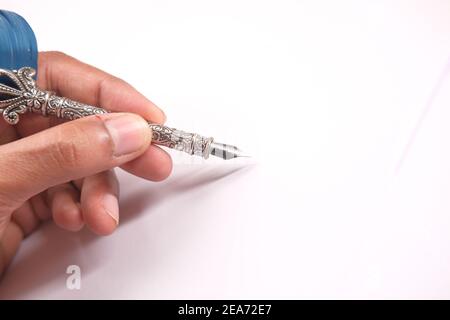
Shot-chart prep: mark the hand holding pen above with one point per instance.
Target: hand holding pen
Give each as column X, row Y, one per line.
column 65, row 172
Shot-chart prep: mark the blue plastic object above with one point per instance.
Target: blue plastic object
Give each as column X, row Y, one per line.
column 18, row 46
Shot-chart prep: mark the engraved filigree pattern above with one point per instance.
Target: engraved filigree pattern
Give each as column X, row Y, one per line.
column 23, row 95
column 190, row 143
column 70, row 110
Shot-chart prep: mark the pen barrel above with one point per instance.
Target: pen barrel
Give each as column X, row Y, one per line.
column 21, row 95
column 63, row 108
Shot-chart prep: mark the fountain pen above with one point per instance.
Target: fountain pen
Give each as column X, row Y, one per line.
column 20, row 95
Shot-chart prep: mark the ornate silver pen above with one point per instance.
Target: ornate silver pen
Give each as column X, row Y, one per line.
column 22, row 95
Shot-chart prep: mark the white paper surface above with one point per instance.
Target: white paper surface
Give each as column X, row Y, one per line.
column 345, row 106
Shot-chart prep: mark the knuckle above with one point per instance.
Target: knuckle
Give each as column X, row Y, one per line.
column 65, row 152
column 76, row 144
column 56, row 54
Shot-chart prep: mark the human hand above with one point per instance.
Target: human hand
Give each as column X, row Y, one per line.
column 64, row 171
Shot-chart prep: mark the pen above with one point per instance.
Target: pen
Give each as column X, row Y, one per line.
column 20, row 94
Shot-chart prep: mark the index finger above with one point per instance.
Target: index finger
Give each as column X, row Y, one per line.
column 84, row 83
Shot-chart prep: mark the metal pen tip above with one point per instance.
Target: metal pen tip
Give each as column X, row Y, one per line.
column 226, row 151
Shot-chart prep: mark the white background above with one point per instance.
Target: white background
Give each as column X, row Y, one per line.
column 345, row 107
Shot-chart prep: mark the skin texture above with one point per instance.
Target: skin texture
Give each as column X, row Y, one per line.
column 65, row 171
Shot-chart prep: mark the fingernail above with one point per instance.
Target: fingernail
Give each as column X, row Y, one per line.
column 111, row 206
column 127, row 133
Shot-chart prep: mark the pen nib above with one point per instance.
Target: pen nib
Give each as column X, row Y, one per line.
column 226, row 151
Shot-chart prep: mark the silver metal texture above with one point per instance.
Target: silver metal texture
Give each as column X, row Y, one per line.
column 19, row 94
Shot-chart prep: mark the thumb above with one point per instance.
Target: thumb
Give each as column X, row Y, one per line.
column 67, row 152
